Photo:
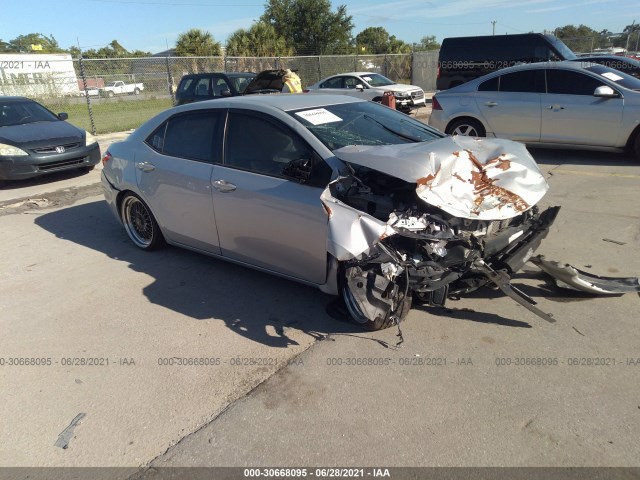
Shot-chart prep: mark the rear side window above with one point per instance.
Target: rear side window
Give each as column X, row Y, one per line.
column 184, row 86
column 332, row 83
column 193, row 136
column 564, row 82
column 202, row 88
column 526, row 81
column 491, row 85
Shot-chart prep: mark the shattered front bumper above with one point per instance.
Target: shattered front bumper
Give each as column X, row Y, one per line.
column 520, row 247
column 512, row 247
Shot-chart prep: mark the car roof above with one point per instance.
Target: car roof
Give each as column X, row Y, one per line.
column 14, row 99
column 564, row 65
column 275, row 103
column 356, row 73
column 228, row 74
column 280, row 101
column 608, row 58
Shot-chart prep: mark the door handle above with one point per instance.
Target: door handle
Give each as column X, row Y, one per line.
column 490, row 104
column 223, row 186
column 145, row 166
column 557, row 107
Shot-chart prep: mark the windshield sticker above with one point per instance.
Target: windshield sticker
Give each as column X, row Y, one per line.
column 319, row 116
column 612, row 76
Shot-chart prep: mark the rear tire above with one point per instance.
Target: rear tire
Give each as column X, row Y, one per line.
column 136, row 91
column 139, row 223
column 467, row 127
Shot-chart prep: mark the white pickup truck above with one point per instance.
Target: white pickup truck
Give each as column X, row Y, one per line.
column 120, row 88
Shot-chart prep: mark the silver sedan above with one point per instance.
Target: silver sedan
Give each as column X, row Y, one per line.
column 569, row 104
column 360, row 200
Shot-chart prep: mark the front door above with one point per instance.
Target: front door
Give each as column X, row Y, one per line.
column 264, row 218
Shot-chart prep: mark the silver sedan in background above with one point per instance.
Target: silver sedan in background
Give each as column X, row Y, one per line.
column 347, row 195
column 567, row 104
column 370, row 86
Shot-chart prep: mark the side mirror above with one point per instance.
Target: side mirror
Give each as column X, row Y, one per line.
column 225, row 93
column 360, row 87
column 299, row 169
column 605, row 92
column 63, row 116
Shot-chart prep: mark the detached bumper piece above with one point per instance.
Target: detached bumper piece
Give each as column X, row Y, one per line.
column 503, row 282
column 570, row 277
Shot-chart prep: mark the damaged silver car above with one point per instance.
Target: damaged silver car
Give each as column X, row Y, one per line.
column 362, row 201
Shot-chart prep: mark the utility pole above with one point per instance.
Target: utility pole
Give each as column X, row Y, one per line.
column 494, row 26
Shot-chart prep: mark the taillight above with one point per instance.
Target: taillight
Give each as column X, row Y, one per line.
column 435, row 104
column 305, row 91
column 106, row 157
column 438, row 72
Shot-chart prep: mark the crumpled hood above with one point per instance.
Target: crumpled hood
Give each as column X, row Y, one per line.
column 479, row 179
column 38, row 134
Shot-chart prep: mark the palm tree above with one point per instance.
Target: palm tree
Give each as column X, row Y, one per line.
column 197, row 43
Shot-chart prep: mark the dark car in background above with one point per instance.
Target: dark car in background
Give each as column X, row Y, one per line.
column 35, row 141
column 466, row 58
column 196, row 87
column 627, row 65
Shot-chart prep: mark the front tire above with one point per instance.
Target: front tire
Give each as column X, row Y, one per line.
column 354, row 296
column 139, row 223
column 467, row 127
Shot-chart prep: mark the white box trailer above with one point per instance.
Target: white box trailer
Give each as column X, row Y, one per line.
column 35, row 75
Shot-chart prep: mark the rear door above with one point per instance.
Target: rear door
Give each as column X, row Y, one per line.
column 174, row 176
column 572, row 115
column 264, row 218
column 510, row 104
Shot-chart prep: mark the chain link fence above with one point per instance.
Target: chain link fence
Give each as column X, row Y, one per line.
column 81, row 87
column 604, row 44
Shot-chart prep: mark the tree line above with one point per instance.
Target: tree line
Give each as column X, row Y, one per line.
column 303, row 27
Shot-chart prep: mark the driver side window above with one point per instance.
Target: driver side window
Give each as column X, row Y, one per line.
column 261, row 146
column 351, row 82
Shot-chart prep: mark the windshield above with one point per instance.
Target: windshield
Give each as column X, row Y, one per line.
column 565, row 51
column 377, row 80
column 21, row 112
column 616, row 76
column 363, row 123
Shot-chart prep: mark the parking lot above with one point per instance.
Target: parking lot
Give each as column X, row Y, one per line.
column 152, row 347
